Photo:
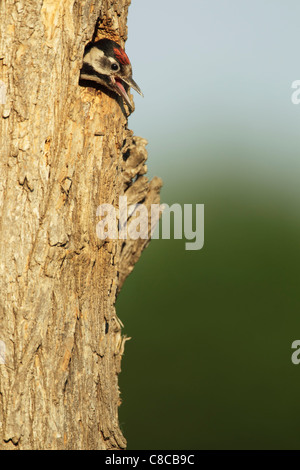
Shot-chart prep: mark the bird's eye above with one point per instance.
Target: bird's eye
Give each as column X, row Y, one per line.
column 115, row 67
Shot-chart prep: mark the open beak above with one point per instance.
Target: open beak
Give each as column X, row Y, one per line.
column 119, row 87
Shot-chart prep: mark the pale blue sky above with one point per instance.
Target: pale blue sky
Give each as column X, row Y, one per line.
column 216, row 74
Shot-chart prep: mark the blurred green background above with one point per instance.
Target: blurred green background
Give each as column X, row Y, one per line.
column 209, row 363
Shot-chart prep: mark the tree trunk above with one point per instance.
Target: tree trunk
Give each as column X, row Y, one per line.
column 65, row 150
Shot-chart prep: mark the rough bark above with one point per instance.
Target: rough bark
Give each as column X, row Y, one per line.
column 65, row 149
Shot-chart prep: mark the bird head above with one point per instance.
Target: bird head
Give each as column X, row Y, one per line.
column 106, row 63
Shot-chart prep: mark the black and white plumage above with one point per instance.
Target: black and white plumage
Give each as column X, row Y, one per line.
column 107, row 64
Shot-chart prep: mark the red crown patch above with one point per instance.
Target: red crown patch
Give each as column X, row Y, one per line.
column 121, row 56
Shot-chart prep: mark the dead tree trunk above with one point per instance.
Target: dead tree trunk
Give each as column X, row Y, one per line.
column 65, row 149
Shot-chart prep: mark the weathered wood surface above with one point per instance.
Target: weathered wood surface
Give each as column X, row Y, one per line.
column 64, row 149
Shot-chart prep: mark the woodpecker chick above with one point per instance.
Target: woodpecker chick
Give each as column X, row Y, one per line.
column 107, row 64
